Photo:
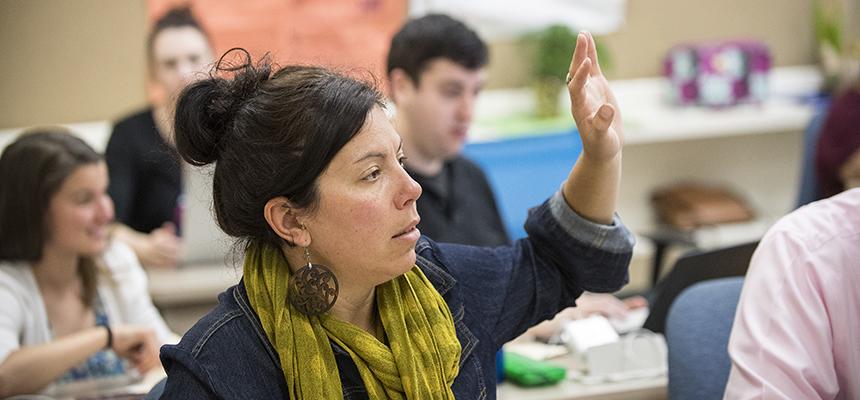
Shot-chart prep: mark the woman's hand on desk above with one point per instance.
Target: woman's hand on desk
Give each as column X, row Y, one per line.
column 30, row 369
column 587, row 305
column 165, row 246
column 161, row 248
column 604, row 304
column 137, row 344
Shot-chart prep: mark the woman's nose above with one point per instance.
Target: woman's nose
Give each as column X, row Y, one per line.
column 410, row 191
column 105, row 209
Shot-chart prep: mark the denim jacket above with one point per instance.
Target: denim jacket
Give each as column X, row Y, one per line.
column 494, row 295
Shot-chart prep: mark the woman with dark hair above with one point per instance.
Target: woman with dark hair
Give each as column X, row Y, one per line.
column 341, row 297
column 145, row 171
column 74, row 303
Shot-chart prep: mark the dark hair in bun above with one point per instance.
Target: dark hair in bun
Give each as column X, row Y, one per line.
column 270, row 133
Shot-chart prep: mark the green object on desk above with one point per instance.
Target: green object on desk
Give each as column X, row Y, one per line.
column 524, row 371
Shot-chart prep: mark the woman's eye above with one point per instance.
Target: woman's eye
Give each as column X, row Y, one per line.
column 402, row 161
column 373, row 175
column 83, row 198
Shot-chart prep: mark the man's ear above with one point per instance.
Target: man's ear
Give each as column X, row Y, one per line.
column 402, row 86
column 283, row 218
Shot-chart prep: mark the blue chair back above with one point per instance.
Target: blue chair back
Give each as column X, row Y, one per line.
column 524, row 172
column 809, row 190
column 697, row 334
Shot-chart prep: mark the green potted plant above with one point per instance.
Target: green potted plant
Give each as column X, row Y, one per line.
column 829, row 35
column 553, row 49
column 839, row 56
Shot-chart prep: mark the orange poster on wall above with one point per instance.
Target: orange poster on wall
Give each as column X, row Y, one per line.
column 349, row 35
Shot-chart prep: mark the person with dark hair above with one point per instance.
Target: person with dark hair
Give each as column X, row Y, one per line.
column 837, row 159
column 145, row 171
column 74, row 302
column 436, row 69
column 341, row 296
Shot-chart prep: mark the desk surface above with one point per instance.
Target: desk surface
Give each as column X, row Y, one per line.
column 194, row 284
column 107, row 389
column 570, row 389
column 644, row 389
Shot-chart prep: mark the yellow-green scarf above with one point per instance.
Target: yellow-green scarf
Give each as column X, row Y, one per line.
column 420, row 362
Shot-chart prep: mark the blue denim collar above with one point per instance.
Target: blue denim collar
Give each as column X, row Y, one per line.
column 439, row 277
column 444, row 282
column 241, row 297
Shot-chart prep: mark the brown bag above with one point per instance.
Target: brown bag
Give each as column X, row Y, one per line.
column 691, row 205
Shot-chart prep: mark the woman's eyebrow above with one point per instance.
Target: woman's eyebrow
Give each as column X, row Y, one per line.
column 374, row 154
column 377, row 154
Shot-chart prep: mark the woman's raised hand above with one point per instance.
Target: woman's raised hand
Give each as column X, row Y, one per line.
column 593, row 105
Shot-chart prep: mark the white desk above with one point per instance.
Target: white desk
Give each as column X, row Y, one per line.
column 638, row 389
column 192, row 284
column 107, row 388
column 646, row 389
column 185, row 294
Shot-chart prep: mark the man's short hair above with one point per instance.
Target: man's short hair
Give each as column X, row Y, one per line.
column 433, row 36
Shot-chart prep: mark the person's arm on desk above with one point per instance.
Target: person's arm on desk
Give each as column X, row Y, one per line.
column 30, row 369
column 160, row 248
column 587, row 305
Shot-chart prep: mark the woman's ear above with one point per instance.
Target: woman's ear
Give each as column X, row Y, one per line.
column 283, row 218
column 401, row 86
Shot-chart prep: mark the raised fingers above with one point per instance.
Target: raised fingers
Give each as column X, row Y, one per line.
column 592, row 54
column 578, row 82
column 580, row 53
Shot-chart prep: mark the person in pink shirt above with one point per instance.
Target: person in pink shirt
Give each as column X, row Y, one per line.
column 795, row 334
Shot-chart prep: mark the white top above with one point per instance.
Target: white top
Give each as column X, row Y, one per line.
column 796, row 330
column 122, row 288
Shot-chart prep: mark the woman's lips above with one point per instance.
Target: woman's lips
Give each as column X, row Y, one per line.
column 412, row 235
column 411, row 232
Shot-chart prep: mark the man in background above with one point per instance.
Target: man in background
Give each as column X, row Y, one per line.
column 436, row 69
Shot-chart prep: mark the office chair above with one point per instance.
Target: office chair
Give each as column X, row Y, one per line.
column 693, row 267
column 697, row 334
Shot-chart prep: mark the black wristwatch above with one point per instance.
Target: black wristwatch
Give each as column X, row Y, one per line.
column 109, row 344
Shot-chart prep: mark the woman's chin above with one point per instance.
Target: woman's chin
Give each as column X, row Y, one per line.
column 410, row 262
column 405, row 264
